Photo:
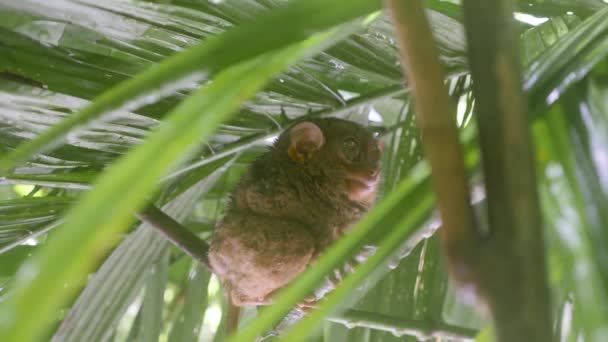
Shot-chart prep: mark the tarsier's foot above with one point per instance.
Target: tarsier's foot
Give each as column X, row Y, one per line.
column 239, row 300
column 308, row 304
column 349, row 267
column 335, row 278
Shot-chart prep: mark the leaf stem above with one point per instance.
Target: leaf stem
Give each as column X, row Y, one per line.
column 399, row 326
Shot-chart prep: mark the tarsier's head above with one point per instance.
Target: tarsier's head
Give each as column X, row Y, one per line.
column 345, row 152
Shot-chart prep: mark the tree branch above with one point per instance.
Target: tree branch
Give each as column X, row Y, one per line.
column 512, row 265
column 436, row 121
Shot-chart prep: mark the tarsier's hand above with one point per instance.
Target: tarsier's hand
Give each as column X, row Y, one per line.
column 319, row 178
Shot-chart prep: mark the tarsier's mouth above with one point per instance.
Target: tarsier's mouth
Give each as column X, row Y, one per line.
column 363, row 181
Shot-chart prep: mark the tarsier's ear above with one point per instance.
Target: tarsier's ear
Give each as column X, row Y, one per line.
column 305, row 139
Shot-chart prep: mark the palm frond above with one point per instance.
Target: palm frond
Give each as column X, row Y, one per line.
column 56, row 58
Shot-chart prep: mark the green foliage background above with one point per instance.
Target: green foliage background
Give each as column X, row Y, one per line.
column 75, row 267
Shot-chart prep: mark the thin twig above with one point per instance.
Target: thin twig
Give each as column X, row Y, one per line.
column 180, row 236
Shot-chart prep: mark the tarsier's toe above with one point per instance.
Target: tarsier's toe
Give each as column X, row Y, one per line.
column 308, row 304
column 240, row 300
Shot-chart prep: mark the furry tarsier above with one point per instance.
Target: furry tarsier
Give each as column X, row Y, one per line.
column 317, row 180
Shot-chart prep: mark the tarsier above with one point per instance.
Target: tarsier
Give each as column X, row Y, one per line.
column 317, row 180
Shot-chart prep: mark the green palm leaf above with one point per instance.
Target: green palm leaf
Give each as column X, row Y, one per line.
column 56, row 59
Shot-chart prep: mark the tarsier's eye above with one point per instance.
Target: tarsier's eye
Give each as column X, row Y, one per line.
column 351, row 148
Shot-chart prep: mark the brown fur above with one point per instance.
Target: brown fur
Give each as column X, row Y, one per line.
column 291, row 204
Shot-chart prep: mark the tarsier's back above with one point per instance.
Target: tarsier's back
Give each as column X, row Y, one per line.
column 318, row 179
